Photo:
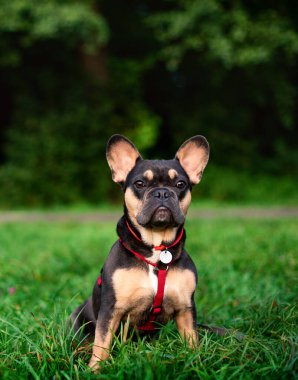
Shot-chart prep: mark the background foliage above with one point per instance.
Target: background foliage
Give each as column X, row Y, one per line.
column 73, row 73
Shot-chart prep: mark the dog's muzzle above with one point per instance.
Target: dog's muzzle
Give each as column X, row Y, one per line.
column 160, row 209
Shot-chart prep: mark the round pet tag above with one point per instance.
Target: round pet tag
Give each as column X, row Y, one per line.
column 166, row 257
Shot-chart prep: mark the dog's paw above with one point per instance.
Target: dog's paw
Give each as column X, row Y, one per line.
column 94, row 364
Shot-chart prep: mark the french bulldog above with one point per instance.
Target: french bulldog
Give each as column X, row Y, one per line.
column 148, row 277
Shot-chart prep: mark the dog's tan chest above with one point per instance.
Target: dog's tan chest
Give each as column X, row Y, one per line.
column 135, row 289
column 180, row 285
column 131, row 286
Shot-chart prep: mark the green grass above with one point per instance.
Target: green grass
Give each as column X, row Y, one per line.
column 248, row 284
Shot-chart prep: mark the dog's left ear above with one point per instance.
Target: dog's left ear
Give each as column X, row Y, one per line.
column 193, row 156
column 122, row 156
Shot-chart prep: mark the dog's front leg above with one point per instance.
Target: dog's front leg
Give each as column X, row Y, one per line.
column 187, row 325
column 106, row 326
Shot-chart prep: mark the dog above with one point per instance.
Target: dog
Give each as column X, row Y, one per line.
column 148, row 278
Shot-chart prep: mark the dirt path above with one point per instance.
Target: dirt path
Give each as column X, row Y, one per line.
column 113, row 216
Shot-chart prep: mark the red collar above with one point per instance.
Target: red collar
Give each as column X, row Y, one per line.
column 157, row 247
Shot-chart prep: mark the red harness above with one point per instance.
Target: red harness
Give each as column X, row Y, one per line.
column 161, row 279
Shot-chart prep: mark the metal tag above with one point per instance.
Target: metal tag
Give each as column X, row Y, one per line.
column 166, row 257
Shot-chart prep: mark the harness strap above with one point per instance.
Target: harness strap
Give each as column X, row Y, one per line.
column 157, row 302
column 156, row 307
column 161, row 279
column 141, row 257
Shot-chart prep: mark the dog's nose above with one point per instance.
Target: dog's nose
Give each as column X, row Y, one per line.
column 161, row 193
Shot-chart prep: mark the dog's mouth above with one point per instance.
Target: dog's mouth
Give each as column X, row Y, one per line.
column 161, row 217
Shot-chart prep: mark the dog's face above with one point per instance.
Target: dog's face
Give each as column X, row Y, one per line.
column 157, row 192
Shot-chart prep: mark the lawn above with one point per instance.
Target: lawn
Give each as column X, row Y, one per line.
column 247, row 284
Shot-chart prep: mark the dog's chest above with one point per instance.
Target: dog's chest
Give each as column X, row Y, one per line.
column 135, row 289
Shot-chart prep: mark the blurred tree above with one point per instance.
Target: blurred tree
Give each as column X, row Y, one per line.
column 232, row 69
column 73, row 73
column 62, row 102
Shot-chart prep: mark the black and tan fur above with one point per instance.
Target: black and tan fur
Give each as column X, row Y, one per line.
column 157, row 194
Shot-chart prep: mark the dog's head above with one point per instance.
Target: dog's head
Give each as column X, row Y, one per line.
column 157, row 192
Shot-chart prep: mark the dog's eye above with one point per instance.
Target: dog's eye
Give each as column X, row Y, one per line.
column 140, row 184
column 180, row 184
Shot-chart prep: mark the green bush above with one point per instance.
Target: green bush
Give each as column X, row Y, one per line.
column 74, row 73
column 59, row 157
column 223, row 184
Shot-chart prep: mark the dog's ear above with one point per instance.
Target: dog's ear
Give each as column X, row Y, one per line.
column 122, row 156
column 193, row 156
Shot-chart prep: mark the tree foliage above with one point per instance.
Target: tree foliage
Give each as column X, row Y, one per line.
column 73, row 73
column 30, row 21
column 226, row 32
column 234, row 68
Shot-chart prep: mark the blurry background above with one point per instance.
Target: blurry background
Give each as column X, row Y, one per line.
column 75, row 72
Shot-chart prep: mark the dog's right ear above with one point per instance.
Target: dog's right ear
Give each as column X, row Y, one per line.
column 193, row 156
column 122, row 156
